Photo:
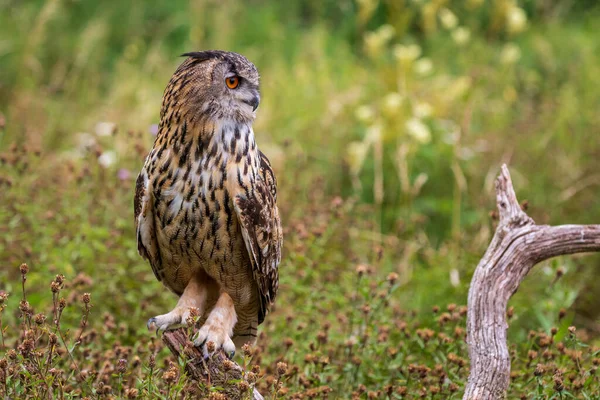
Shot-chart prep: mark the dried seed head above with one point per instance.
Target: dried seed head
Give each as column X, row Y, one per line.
column 228, row 365
column 25, row 307
column 539, row 370
column 392, row 278
column 572, row 330
column 152, row 362
column 243, row 386
column 86, row 298
column 510, row 312
column 54, row 287
column 322, row 337
column 170, row 376
column 247, row 350
column 282, row 391
column 559, row 385
column 122, row 366
column 210, row 346
column 26, row 347
column 281, row 369
column 251, row 377
column 459, row 332
column 562, row 313
column 131, row 393
column 545, row 340
column 425, row 334
column 361, row 269
column 62, row 303
column 24, row 269
column 288, row 342
column 402, row 390
column 52, row 339
column 136, row 362
column 40, row 319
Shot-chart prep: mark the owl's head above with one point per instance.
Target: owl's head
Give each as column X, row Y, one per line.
column 219, row 85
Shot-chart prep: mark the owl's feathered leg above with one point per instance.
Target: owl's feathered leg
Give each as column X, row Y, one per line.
column 218, row 327
column 194, row 295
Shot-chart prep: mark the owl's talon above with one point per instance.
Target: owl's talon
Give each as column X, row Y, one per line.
column 151, row 321
column 165, row 322
column 215, row 334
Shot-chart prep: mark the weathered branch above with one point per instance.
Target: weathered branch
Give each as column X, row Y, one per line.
column 211, row 370
column 516, row 247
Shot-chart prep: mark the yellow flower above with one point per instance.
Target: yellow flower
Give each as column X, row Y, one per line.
column 418, row 130
column 516, row 20
column 422, row 109
column 392, row 103
column 448, row 19
column 461, row 35
column 424, row 66
column 511, row 53
column 364, row 114
column 405, row 54
column 355, row 156
column 375, row 41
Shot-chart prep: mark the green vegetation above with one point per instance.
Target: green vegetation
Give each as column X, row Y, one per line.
column 385, row 121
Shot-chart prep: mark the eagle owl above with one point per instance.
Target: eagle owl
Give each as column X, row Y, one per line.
column 205, row 202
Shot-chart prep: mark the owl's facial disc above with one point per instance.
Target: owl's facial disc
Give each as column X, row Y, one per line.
column 223, row 86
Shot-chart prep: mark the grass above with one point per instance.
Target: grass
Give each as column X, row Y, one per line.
column 385, row 157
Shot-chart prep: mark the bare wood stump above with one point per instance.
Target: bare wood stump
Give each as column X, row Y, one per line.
column 212, row 370
column 516, row 247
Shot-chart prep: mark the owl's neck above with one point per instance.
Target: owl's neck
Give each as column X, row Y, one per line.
column 232, row 140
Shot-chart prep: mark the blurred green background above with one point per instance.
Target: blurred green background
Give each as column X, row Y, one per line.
column 403, row 110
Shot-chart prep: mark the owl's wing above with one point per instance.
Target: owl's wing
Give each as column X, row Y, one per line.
column 144, row 224
column 261, row 229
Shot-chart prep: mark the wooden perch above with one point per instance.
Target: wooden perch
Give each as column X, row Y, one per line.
column 516, row 247
column 211, row 370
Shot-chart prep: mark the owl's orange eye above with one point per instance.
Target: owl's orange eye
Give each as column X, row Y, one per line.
column 232, row 82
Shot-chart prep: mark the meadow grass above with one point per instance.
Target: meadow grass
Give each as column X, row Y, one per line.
column 386, row 127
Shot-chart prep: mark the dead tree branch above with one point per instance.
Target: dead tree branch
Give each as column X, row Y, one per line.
column 211, row 371
column 516, row 247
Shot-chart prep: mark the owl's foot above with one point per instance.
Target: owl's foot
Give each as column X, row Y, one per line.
column 171, row 320
column 194, row 296
column 219, row 338
column 218, row 328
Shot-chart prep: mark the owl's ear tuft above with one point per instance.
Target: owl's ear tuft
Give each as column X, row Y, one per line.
column 205, row 55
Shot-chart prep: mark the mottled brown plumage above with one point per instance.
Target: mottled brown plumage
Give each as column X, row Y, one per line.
column 205, row 201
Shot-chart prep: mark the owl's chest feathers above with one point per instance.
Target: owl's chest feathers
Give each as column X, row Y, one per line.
column 197, row 179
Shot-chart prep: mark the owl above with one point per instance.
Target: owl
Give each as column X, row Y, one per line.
column 205, row 206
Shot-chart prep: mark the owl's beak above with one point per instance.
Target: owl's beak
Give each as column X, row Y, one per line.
column 255, row 102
